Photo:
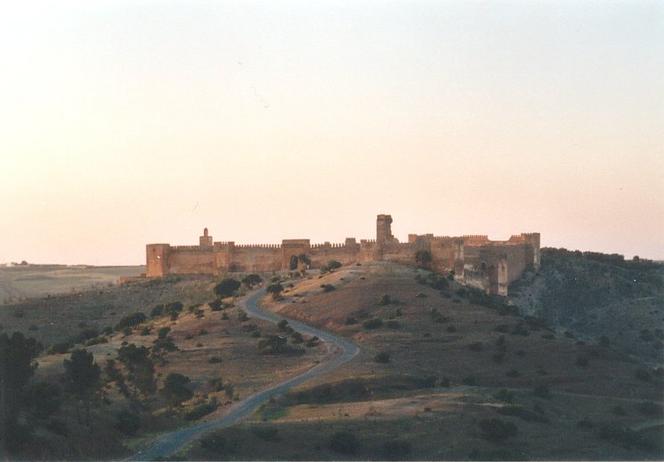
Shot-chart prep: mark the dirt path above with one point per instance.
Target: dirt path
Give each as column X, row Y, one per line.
column 341, row 351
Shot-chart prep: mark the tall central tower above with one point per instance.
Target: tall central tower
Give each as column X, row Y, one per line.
column 384, row 229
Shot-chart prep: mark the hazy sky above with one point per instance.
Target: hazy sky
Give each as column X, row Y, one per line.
column 123, row 123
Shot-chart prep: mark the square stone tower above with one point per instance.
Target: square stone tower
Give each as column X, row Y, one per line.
column 384, row 230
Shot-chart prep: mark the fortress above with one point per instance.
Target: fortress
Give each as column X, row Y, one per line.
column 473, row 260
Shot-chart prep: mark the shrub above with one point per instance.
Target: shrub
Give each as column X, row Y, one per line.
column 373, row 323
column 328, row 287
column 214, row 359
column 392, row 324
column 226, row 287
column 350, row 321
column 382, row 357
column 163, row 332
column 344, row 442
column 396, row 449
column 202, row 410
column 497, row 430
column 216, row 305
column 451, row 329
column 275, row 290
column 127, row 422
column 242, row 316
column 296, row 337
column 175, row 388
column 60, row 348
column 251, row 280
column 130, row 320
column 333, row 264
column 513, row 373
column 282, row 324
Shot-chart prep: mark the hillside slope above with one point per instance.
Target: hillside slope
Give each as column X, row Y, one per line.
column 595, row 295
column 438, row 365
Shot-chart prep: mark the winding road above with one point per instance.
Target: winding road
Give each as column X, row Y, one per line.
column 342, row 351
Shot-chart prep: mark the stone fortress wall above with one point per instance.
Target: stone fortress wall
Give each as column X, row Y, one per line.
column 474, row 260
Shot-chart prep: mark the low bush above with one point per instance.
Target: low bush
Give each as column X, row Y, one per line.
column 392, row 324
column 202, row 410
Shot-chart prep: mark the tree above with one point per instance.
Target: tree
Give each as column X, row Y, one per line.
column 275, row 289
column 423, row 258
column 43, row 399
column 292, row 264
column 175, row 389
column 128, row 422
column 304, row 259
column 17, row 354
column 141, row 367
column 82, row 377
column 252, row 280
column 227, row 287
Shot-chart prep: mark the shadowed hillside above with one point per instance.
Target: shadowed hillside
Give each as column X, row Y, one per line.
column 599, row 297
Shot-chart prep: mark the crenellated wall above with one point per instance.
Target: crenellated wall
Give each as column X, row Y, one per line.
column 474, row 259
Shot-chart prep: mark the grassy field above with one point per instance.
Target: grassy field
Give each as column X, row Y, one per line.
column 20, row 282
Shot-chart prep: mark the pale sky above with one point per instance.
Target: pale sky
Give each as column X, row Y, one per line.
column 123, row 123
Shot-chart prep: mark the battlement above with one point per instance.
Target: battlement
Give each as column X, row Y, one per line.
column 492, row 265
column 258, row 246
column 327, row 245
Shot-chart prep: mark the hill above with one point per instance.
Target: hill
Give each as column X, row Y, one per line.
column 446, row 373
column 598, row 297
